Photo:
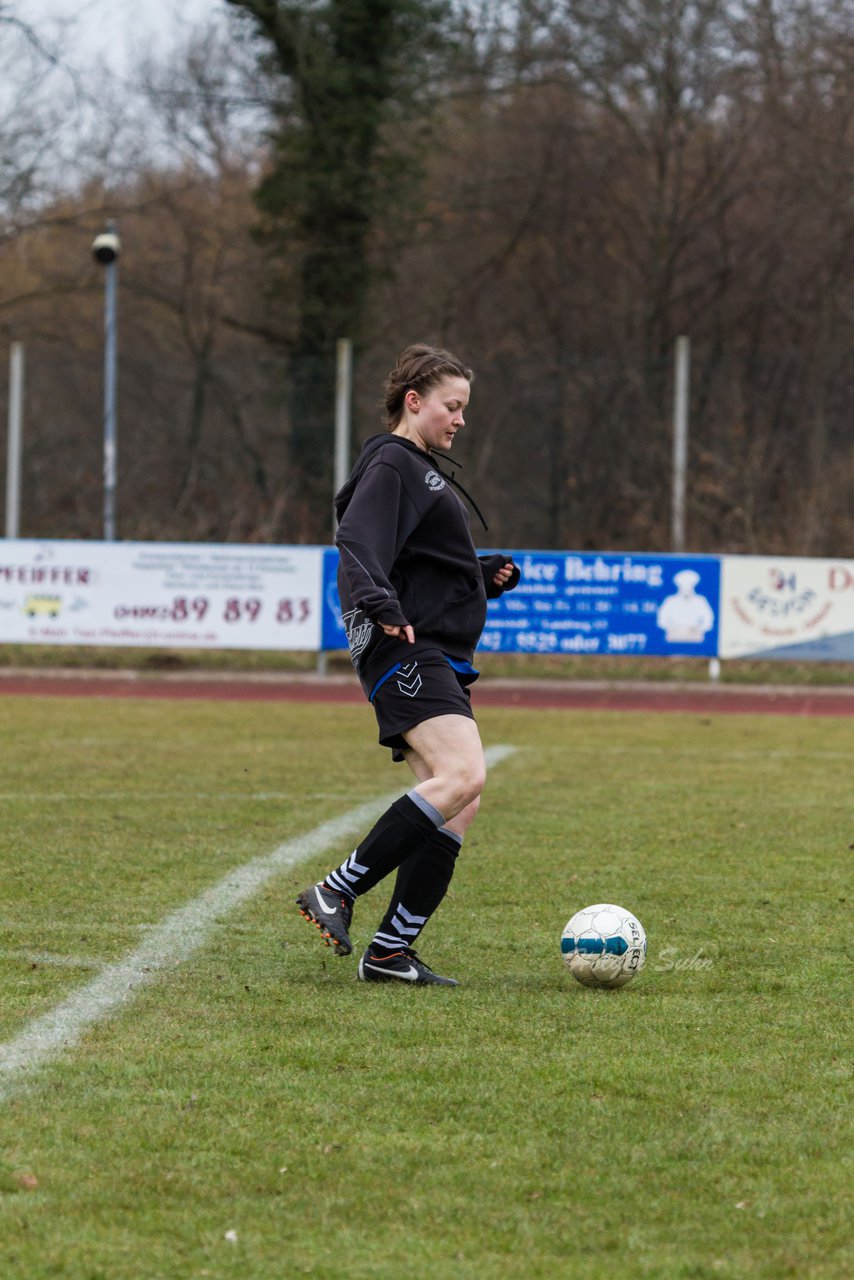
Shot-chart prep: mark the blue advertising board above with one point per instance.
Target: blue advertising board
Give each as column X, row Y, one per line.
column 332, row 633
column 608, row 603
column 588, row 602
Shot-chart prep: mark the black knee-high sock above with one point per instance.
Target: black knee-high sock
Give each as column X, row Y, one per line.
column 422, row 882
column 406, row 825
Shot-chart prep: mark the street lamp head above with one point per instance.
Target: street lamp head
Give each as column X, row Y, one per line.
column 106, row 248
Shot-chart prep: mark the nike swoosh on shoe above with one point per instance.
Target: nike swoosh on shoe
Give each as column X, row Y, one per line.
column 410, row 975
column 329, row 911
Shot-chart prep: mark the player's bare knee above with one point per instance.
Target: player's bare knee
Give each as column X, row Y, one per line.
column 470, row 781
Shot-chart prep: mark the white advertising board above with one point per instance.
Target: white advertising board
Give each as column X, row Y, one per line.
column 787, row 608
column 160, row 595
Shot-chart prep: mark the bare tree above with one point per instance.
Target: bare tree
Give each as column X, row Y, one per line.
column 597, row 179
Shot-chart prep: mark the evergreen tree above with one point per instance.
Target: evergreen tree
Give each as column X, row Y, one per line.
column 348, row 70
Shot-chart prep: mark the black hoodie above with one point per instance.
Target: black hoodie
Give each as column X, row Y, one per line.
column 407, row 558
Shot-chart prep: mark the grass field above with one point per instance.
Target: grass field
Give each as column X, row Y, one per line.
column 512, row 666
column 251, row 1112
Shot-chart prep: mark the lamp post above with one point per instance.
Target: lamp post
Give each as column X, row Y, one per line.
column 106, row 249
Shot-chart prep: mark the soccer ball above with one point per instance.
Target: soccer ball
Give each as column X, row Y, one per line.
column 603, row 946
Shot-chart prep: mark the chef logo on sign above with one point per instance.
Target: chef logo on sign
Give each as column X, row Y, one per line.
column 685, row 616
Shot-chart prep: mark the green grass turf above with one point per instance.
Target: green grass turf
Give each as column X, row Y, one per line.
column 696, row 1124
column 510, row 666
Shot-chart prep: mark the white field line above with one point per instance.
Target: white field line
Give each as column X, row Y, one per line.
column 173, row 941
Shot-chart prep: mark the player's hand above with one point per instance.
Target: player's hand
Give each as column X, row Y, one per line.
column 504, row 574
column 401, row 633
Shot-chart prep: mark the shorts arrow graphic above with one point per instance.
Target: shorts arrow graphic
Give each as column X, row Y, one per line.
column 410, row 687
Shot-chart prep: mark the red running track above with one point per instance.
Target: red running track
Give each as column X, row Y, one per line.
column 571, row 695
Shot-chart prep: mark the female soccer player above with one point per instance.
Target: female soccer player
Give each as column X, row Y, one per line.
column 413, row 597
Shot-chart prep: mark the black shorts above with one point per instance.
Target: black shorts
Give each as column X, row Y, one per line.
column 418, row 690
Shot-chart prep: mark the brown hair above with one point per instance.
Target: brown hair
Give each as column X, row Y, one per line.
column 418, row 368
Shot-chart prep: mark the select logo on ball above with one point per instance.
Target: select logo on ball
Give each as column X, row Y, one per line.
column 603, row 946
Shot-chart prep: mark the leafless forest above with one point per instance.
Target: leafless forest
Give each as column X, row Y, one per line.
column 568, row 187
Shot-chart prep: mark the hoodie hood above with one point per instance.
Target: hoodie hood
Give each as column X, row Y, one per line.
column 370, row 449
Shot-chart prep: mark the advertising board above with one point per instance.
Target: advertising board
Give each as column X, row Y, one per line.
column 160, row 595
column 225, row 596
column 787, row 608
column 607, row 603
column 576, row 603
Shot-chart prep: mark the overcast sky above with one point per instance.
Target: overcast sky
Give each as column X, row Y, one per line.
column 113, row 30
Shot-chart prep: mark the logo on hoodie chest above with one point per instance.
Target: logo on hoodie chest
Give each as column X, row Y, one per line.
column 434, row 481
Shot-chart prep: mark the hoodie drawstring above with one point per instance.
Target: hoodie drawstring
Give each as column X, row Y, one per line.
column 451, row 480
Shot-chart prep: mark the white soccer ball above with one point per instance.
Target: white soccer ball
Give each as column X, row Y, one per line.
column 603, row 946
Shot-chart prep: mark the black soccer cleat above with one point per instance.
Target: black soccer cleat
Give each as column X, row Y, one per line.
column 331, row 913
column 400, row 966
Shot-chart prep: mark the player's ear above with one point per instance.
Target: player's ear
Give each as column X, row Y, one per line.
column 412, row 400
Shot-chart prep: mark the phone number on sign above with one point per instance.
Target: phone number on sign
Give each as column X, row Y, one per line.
column 235, row 609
